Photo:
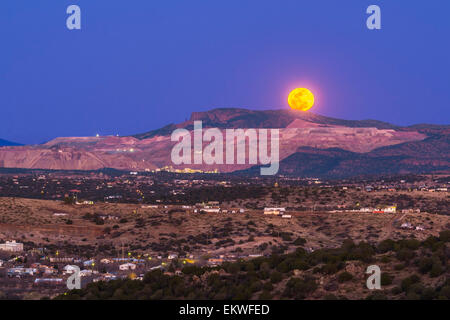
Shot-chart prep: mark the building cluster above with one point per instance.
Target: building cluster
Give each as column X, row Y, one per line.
column 11, row 246
column 277, row 212
column 36, row 268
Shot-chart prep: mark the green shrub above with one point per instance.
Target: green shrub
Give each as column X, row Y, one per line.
column 386, row 245
column 444, row 236
column 408, row 282
column 405, row 254
column 276, row 277
column 300, row 288
column 344, row 277
column 386, row 279
column 436, row 269
column 425, row 265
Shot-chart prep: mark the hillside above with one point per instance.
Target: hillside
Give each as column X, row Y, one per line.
column 310, row 144
column 244, row 118
column 411, row 270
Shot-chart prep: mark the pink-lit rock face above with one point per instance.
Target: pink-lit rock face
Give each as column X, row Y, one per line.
column 153, row 150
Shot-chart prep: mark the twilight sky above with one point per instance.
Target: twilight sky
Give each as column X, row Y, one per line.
column 139, row 65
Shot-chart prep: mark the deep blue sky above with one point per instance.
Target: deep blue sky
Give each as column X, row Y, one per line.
column 139, row 65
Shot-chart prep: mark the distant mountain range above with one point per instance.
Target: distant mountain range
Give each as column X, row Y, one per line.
column 8, row 143
column 310, row 145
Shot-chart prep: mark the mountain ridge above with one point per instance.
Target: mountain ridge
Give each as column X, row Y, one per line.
column 245, row 118
column 4, row 143
column 309, row 144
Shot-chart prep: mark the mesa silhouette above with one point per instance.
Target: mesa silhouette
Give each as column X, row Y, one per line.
column 310, row 145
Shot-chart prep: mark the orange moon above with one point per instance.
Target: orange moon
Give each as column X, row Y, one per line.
column 301, row 99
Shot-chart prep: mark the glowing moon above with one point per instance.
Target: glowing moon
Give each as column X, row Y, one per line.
column 301, row 99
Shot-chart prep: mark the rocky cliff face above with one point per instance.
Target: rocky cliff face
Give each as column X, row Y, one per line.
column 357, row 147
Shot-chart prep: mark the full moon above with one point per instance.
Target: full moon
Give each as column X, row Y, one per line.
column 301, row 99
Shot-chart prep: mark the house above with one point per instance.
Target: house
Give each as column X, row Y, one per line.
column 88, row 263
column 215, row 261
column 127, row 266
column 21, row 271
column 59, row 214
column 106, row 261
column 62, row 259
column 406, row 225
column 274, row 211
column 211, row 210
column 86, row 202
column 105, row 277
column 48, row 270
column 87, row 273
column 156, row 268
column 391, row 209
column 286, row 216
column 11, row 246
column 109, row 276
column 48, row 281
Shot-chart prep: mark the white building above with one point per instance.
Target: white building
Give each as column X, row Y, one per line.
column 392, row 209
column 211, row 210
column 106, row 261
column 87, row 273
column 127, row 266
column 11, row 246
column 274, row 211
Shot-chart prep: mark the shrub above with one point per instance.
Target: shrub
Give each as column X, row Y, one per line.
column 265, row 295
column 345, row 276
column 425, row 265
column 405, row 254
column 276, row 277
column 386, row 245
column 444, row 236
column 408, row 282
column 300, row 288
column 386, row 279
column 436, row 269
column 299, row 241
column 399, row 266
